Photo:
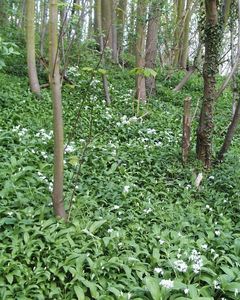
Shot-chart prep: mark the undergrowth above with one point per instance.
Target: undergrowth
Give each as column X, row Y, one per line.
column 138, row 229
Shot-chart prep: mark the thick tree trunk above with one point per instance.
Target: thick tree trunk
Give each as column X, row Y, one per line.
column 31, row 59
column 210, row 69
column 140, row 49
column 151, row 46
column 55, row 83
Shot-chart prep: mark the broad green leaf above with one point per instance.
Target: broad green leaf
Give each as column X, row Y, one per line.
column 153, row 287
column 79, row 293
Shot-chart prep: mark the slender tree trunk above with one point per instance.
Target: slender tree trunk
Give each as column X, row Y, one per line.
column 185, row 43
column 230, row 132
column 107, row 22
column 31, row 59
column 114, row 33
column 98, row 24
column 226, row 11
column 140, row 49
column 131, row 30
column 151, row 46
column 121, row 17
column 43, row 27
column 178, row 31
column 90, row 21
column 210, row 69
column 58, row 203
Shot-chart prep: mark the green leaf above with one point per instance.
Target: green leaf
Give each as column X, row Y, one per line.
column 154, row 288
column 96, row 225
column 102, row 71
column 9, row 278
column 79, row 293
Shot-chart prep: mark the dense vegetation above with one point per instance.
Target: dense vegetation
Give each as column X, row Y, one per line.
column 137, row 219
column 114, row 204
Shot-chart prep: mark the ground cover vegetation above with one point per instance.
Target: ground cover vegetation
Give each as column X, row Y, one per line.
column 137, row 222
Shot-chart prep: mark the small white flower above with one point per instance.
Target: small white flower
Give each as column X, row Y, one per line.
column 158, row 270
column 10, row 213
column 211, row 177
column 147, row 210
column 217, row 232
column 186, row 291
column 161, row 242
column 126, row 189
column 110, row 230
column 167, row 283
column 236, row 291
column 115, row 207
column 151, row 131
column 180, row 265
column 216, row 285
column 204, row 246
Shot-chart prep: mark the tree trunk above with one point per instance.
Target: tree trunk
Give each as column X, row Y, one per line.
column 90, row 21
column 107, row 22
column 55, row 83
column 114, row 33
column 43, row 27
column 140, row 49
column 185, row 39
column 98, row 24
column 121, row 17
column 151, row 46
column 210, row 69
column 31, row 59
column 178, row 31
column 230, row 132
column 131, row 30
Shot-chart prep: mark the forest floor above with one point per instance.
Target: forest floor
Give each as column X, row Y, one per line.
column 138, row 228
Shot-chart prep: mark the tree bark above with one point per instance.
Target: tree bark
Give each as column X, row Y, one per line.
column 121, row 17
column 114, row 33
column 230, row 132
column 55, row 83
column 140, row 49
column 107, row 22
column 98, row 24
column 151, row 46
column 210, row 69
column 185, row 39
column 31, row 59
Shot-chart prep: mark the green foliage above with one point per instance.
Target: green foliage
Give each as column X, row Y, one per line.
column 139, row 229
column 6, row 49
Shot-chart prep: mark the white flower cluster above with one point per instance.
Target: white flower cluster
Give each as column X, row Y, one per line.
column 151, row 131
column 195, row 257
column 180, row 265
column 125, row 121
column 20, row 131
column 70, row 148
column 167, row 283
column 44, row 135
